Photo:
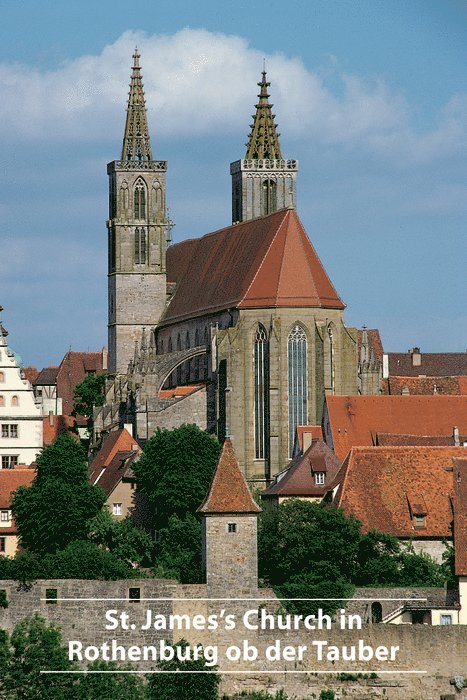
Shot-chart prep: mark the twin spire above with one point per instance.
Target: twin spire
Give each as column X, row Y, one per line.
column 263, row 141
column 136, row 141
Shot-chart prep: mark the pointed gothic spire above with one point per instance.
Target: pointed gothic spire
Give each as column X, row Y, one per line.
column 263, row 141
column 136, row 141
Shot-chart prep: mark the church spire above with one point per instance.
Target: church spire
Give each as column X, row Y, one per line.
column 136, row 141
column 263, row 141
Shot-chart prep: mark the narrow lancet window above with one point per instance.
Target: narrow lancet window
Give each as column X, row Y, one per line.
column 269, row 196
column 140, row 246
column 140, row 201
column 261, row 361
column 298, row 382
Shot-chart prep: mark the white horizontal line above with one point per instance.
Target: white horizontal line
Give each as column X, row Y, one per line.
column 137, row 600
column 250, row 671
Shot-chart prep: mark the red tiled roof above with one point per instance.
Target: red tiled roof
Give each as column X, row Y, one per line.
column 381, row 484
column 229, row 492
column 264, row 262
column 314, row 432
column 60, row 424
column 460, row 515
column 72, row 371
column 355, row 420
column 433, row 364
column 116, row 441
column 426, row 385
column 299, row 480
column 180, row 391
column 30, row 373
column 387, row 439
column 10, row 480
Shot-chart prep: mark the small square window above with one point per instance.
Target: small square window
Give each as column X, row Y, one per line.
column 134, row 595
column 232, row 527
column 446, row 619
column 14, row 431
column 117, row 509
column 319, row 478
column 5, row 516
column 51, row 595
column 5, row 431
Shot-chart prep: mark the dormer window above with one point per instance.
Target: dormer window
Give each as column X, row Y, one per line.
column 419, row 521
column 319, row 478
column 232, row 528
column 418, row 510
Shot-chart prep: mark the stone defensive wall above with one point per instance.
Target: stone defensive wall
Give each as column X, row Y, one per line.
column 427, row 657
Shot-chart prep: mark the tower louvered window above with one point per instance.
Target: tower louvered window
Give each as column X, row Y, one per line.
column 261, row 361
column 140, row 246
column 269, row 196
column 140, row 201
column 298, row 382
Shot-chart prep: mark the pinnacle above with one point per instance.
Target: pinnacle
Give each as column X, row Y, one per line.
column 136, row 141
column 263, row 141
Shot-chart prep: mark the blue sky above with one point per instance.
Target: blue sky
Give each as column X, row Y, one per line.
column 370, row 96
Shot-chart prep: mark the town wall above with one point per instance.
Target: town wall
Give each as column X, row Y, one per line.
column 438, row 651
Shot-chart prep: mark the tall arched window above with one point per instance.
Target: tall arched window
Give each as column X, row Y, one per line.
column 14, row 401
column 269, row 196
column 179, row 368
column 140, row 246
column 140, row 200
column 298, row 381
column 261, row 361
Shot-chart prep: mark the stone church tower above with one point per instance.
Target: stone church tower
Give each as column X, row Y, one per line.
column 230, row 515
column 137, row 228
column 263, row 181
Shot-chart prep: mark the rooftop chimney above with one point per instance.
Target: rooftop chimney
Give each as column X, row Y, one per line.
column 455, row 435
column 416, row 357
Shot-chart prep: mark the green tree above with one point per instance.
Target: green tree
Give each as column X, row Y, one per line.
column 88, row 394
column 179, row 553
column 175, row 471
column 122, row 538
column 37, row 647
column 58, row 506
column 110, row 686
column 195, row 686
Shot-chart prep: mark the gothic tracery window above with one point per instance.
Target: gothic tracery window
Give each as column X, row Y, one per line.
column 140, row 200
column 261, row 370
column 140, row 246
column 298, row 381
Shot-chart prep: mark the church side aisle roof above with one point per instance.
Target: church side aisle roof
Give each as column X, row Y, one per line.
column 229, row 492
column 263, row 262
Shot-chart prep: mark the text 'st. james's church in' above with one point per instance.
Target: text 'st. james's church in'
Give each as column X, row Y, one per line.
column 240, row 331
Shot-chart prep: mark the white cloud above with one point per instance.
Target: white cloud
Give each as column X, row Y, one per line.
column 198, row 81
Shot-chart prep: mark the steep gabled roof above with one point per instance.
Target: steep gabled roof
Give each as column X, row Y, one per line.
column 229, row 492
column 432, row 364
column 355, row 420
column 116, row 441
column 263, row 262
column 384, row 486
column 299, row 479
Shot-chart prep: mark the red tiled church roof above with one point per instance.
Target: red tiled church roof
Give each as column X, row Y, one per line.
column 264, row 262
column 382, row 484
column 229, row 492
column 460, row 515
column 355, row 420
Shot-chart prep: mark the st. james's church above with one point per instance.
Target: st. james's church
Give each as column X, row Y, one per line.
column 240, row 331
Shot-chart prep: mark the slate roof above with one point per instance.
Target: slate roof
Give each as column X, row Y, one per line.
column 356, row 420
column 460, row 515
column 381, row 485
column 433, row 364
column 47, row 376
column 263, row 262
column 299, row 480
column 229, row 492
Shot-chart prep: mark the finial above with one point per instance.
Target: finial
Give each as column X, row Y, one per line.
column 264, row 65
column 136, row 57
